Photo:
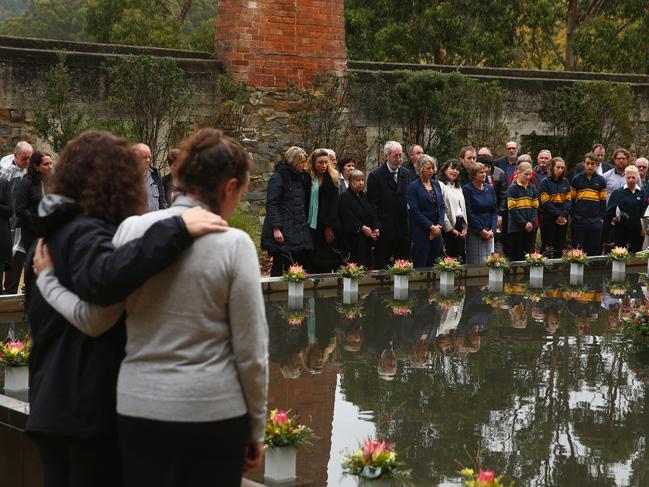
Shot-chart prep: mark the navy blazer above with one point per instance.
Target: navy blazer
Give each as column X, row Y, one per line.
column 421, row 207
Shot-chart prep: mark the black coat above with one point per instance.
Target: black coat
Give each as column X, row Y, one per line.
column 28, row 194
column 6, row 212
column 326, row 257
column 287, row 208
column 355, row 212
column 74, row 376
column 388, row 198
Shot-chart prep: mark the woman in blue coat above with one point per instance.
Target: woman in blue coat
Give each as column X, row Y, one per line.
column 426, row 209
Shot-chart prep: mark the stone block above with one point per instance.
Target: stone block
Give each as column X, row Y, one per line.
column 17, row 116
column 5, row 114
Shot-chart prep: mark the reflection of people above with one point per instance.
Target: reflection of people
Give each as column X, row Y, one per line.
column 353, row 338
column 551, row 321
column 387, row 367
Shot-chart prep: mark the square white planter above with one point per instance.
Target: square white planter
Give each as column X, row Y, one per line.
column 446, row 279
column 576, row 273
column 618, row 271
column 295, row 295
column 496, row 277
column 16, row 378
column 401, row 287
column 536, row 276
column 350, row 290
column 279, row 465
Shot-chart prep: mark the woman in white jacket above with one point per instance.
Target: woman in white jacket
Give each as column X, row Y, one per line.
column 455, row 223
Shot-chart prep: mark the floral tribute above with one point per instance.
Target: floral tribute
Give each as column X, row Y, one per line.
column 295, row 273
column 352, row 270
column 497, row 261
column 484, row 478
column 15, row 353
column 295, row 317
column 575, row 256
column 284, row 430
column 637, row 323
column 400, row 308
column 448, row 264
column 620, row 254
column 536, row 259
column 643, row 254
column 375, row 459
column 351, row 311
column 401, row 267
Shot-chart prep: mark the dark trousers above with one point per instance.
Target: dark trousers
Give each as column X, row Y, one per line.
column 360, row 249
column 386, row 250
column 281, row 262
column 553, row 237
column 455, row 246
column 587, row 238
column 626, row 234
column 520, row 243
column 12, row 275
column 78, row 462
column 504, row 236
column 426, row 252
column 173, row 454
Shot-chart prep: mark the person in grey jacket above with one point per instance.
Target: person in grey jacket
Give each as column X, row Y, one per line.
column 191, row 393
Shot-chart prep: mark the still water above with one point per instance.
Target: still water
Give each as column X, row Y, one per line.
column 540, row 380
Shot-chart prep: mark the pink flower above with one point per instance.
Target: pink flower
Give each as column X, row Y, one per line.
column 295, row 268
column 281, row 417
column 486, row 477
column 15, row 347
column 351, row 265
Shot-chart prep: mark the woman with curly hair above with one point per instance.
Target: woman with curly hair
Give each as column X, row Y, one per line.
column 323, row 212
column 73, row 422
column 195, row 371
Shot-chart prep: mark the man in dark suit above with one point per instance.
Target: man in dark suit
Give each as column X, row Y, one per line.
column 415, row 152
column 386, row 192
column 507, row 163
column 602, row 165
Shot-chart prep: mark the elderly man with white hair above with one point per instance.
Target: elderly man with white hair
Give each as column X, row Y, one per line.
column 386, row 192
column 22, row 151
column 642, row 164
column 541, row 168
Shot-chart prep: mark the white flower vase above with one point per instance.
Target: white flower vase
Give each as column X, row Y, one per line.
column 401, row 287
column 295, row 295
column 576, row 273
column 536, row 276
column 279, row 465
column 350, row 290
column 447, row 280
column 16, row 378
column 496, row 280
column 618, row 272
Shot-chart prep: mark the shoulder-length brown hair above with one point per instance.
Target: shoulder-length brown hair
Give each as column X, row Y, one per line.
column 102, row 173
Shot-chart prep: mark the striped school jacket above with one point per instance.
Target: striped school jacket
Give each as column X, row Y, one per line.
column 588, row 199
column 522, row 206
column 555, row 198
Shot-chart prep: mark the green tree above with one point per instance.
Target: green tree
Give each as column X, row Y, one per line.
column 49, row 19
column 148, row 96
column 59, row 120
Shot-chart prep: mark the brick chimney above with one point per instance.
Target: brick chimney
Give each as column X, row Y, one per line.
column 268, row 43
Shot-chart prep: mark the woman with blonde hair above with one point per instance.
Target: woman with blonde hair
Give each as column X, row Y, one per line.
column 522, row 209
column 323, row 212
column 285, row 234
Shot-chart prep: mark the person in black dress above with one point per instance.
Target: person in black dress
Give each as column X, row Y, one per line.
column 358, row 220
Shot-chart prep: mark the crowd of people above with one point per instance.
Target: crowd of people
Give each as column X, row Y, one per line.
column 321, row 212
column 150, row 342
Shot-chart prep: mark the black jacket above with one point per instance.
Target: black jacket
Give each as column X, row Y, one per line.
column 355, row 212
column 6, row 212
column 388, row 198
column 74, row 376
column 287, row 208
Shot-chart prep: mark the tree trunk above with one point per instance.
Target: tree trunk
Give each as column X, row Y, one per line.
column 569, row 61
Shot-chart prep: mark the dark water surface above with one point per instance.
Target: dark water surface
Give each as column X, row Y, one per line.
column 542, row 381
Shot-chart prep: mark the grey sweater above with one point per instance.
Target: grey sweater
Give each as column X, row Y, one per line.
column 197, row 345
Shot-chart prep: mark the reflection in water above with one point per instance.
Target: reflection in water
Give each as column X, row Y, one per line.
column 538, row 378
